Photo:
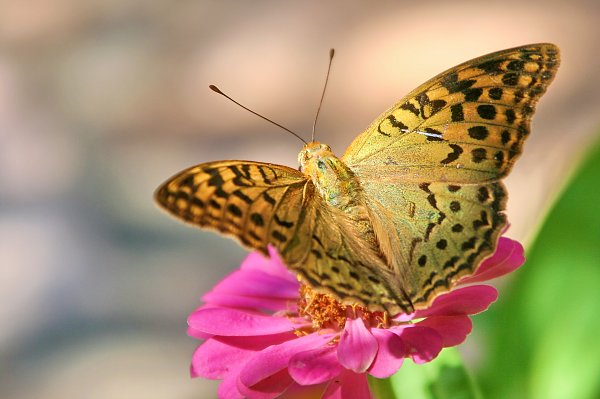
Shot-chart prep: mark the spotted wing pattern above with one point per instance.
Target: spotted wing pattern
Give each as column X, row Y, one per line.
column 430, row 166
column 475, row 117
column 263, row 204
column 255, row 202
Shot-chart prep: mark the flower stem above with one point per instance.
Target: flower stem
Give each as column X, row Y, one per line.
column 381, row 388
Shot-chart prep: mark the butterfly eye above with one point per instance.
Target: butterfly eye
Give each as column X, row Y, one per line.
column 321, row 164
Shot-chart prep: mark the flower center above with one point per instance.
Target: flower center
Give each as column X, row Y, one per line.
column 324, row 311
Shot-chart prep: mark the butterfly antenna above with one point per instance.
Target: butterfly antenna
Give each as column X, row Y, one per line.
column 331, row 54
column 217, row 90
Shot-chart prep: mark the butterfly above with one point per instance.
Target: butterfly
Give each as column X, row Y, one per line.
column 414, row 204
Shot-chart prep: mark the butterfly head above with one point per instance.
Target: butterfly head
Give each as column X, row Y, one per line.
column 314, row 155
column 332, row 178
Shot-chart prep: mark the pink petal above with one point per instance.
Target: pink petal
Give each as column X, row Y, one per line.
column 214, row 359
column 348, row 385
column 273, row 265
column 239, row 301
column 315, row 366
column 297, row 391
column 270, row 387
column 357, row 347
column 507, row 258
column 424, row 343
column 233, row 322
column 276, row 358
column 253, row 282
column 390, row 355
column 228, row 388
column 462, row 301
column 452, row 329
column 192, row 332
column 220, row 356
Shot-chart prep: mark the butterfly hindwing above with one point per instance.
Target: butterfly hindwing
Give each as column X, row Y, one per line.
column 350, row 269
column 444, row 232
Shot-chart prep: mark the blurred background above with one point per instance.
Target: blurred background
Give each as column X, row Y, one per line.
column 102, row 100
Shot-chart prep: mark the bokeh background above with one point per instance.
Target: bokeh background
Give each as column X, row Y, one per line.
column 102, row 100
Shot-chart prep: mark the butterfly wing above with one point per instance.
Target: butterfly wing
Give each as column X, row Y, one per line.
column 430, row 165
column 438, row 232
column 257, row 203
column 472, row 119
column 261, row 204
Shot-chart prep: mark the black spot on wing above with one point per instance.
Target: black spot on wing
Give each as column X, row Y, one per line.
column 515, row 65
column 411, row 108
column 495, row 93
column 214, row 204
column 268, row 198
column 216, row 179
column 505, row 136
column 491, row 66
column 486, row 111
column 479, row 155
column 219, row 192
column 242, row 196
column 453, row 85
column 263, row 174
column 519, row 96
column 455, row 206
column 469, row 244
column 510, row 79
column 283, row 223
column 428, row 231
column 234, row 210
column 279, row 236
column 257, row 219
column 457, row 113
column 436, row 106
column 499, row 158
column 395, row 123
column 483, row 194
column 241, row 175
column 478, row 132
column 473, row 94
column 452, row 156
column 197, row 201
column 510, row 116
column 457, row 228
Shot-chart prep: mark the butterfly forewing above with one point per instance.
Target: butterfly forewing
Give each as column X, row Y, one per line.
column 466, row 124
column 256, row 202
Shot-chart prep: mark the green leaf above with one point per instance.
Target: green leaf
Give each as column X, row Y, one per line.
column 443, row 378
column 544, row 331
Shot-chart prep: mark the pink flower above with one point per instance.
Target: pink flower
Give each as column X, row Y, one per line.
column 265, row 335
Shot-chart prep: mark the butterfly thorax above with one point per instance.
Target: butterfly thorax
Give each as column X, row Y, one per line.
column 335, row 182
